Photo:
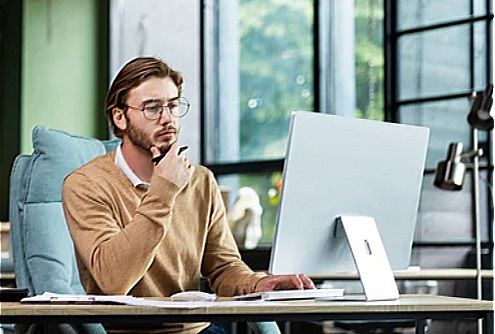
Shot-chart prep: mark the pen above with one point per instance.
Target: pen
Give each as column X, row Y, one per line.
column 157, row 159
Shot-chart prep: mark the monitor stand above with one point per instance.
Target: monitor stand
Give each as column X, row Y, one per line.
column 370, row 257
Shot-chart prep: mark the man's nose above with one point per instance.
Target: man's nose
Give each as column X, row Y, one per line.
column 165, row 116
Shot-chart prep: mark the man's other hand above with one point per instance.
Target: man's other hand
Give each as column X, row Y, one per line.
column 174, row 167
column 285, row 282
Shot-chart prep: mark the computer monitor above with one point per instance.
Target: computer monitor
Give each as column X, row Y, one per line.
column 345, row 166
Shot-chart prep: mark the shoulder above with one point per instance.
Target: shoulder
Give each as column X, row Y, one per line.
column 93, row 172
column 203, row 181
column 203, row 172
column 203, row 175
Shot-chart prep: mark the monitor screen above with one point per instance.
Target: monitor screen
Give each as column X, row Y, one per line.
column 345, row 166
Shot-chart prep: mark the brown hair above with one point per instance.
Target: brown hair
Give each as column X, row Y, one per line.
column 132, row 75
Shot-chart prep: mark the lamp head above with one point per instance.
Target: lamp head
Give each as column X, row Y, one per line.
column 479, row 117
column 450, row 173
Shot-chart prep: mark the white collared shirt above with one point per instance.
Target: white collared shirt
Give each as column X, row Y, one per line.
column 124, row 167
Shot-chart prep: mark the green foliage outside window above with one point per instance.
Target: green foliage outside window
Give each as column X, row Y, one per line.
column 276, row 72
column 276, row 76
column 368, row 18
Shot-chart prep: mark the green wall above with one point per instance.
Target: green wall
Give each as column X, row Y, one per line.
column 60, row 67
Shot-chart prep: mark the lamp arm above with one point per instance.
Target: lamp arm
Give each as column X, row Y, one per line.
column 473, row 153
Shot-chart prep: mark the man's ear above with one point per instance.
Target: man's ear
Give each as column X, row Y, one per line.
column 119, row 118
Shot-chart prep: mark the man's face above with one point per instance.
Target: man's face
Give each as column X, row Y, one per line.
column 142, row 132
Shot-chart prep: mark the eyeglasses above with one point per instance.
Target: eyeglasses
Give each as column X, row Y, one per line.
column 178, row 107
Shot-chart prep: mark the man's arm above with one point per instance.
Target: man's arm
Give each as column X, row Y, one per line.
column 116, row 256
column 222, row 265
column 227, row 274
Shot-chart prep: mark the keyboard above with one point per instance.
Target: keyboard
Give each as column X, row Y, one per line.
column 292, row 294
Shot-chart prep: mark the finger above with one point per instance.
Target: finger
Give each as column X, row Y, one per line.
column 174, row 148
column 307, row 282
column 296, row 282
column 262, row 283
column 155, row 152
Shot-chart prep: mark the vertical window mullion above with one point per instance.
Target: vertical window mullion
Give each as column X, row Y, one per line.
column 391, row 66
column 316, row 56
column 471, row 48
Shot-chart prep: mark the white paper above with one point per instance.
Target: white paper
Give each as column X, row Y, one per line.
column 169, row 304
column 56, row 298
column 50, row 297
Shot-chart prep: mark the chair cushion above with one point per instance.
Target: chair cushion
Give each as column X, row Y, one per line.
column 111, row 144
column 56, row 154
column 44, row 254
column 17, row 174
column 43, row 250
column 49, row 249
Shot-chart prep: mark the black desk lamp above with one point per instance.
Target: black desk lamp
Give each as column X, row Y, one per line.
column 450, row 173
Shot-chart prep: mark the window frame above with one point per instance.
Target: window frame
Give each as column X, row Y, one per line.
column 393, row 102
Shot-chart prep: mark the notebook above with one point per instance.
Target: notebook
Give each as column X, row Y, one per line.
column 292, row 294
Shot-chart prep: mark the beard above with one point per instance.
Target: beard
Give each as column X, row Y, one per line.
column 140, row 138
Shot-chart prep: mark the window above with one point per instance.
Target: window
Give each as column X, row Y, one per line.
column 262, row 59
column 438, row 52
column 261, row 70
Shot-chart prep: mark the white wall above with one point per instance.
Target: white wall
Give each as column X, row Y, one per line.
column 167, row 29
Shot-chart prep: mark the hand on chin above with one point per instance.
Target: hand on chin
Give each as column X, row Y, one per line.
column 164, row 147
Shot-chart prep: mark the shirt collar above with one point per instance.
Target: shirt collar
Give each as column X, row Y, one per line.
column 124, row 167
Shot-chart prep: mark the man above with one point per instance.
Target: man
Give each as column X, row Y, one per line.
column 149, row 229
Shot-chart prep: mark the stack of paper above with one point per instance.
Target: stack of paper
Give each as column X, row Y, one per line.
column 49, row 297
column 56, row 298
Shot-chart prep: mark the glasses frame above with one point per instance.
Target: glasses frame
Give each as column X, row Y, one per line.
column 181, row 99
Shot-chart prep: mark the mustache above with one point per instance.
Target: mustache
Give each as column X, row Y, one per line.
column 167, row 128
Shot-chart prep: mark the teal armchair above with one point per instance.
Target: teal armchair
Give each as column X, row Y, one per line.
column 43, row 252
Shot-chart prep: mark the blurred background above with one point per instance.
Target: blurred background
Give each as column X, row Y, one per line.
column 248, row 64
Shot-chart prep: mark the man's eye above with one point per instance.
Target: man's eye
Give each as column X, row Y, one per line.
column 173, row 105
column 153, row 109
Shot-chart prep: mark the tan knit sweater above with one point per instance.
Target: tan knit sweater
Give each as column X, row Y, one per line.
column 152, row 242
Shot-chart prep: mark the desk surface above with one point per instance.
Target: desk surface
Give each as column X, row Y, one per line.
column 406, row 304
column 408, row 307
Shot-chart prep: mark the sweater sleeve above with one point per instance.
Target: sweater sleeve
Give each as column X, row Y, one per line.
column 117, row 257
column 227, row 274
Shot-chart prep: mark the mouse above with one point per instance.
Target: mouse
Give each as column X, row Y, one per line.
column 192, row 296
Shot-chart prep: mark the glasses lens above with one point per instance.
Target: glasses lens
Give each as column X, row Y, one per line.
column 182, row 108
column 177, row 108
column 152, row 112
